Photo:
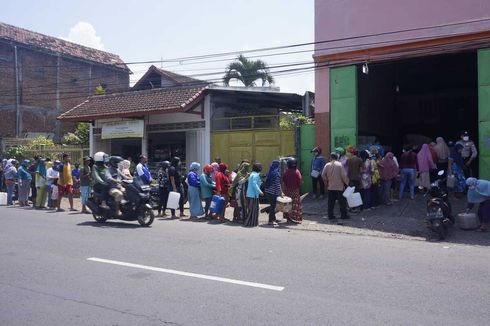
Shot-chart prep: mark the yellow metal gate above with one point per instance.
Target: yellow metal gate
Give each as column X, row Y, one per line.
column 256, row 146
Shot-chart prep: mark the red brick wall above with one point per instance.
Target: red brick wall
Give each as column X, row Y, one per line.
column 322, row 131
column 38, row 88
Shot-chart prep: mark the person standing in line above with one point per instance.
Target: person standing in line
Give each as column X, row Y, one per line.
column 408, row 171
column 85, row 180
column 223, row 185
column 456, row 168
column 479, row 193
column 163, row 187
column 343, row 158
column 253, row 193
column 292, row 180
column 65, row 183
column 425, row 165
column 175, row 177
column 193, row 179
column 207, row 188
column 10, row 175
column 32, row 170
column 123, row 170
column 336, row 180
column 273, row 189
column 366, row 180
column 52, row 177
column 469, row 153
column 41, row 184
column 25, row 178
column 215, row 170
column 389, row 170
column 317, row 165
column 237, row 192
column 442, row 151
column 75, row 173
column 354, row 164
column 142, row 170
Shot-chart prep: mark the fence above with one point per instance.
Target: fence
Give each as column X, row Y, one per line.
column 55, row 153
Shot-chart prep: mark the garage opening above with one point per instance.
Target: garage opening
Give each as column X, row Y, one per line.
column 413, row 101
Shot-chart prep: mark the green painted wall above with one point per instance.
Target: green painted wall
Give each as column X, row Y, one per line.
column 307, row 142
column 343, row 106
column 484, row 112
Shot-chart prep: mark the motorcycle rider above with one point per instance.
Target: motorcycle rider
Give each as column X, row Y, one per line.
column 106, row 180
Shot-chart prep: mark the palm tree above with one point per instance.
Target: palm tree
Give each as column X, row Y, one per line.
column 247, row 71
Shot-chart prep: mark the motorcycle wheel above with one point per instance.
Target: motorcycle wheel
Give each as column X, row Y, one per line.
column 147, row 218
column 99, row 219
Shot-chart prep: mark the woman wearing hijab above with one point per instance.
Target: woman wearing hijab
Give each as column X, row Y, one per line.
column 10, row 175
column 215, row 170
column 455, row 167
column 163, row 187
column 253, row 193
column 442, row 151
column 207, row 188
column 425, row 165
column 366, row 179
column 123, row 170
column 388, row 170
column 479, row 193
column 195, row 204
column 40, row 179
column 238, row 190
column 25, row 179
column 175, row 178
column 222, row 187
column 317, row 165
column 273, row 189
column 292, row 180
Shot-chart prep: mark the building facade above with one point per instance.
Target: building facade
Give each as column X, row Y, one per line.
column 401, row 72
column 42, row 76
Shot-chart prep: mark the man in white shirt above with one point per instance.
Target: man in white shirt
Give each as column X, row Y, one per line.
column 142, row 170
column 52, row 177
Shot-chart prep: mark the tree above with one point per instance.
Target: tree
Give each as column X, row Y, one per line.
column 80, row 136
column 247, row 71
column 100, row 90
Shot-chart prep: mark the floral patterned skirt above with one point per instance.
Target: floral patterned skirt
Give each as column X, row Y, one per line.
column 296, row 213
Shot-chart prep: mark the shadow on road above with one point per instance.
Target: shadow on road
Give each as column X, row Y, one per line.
column 110, row 224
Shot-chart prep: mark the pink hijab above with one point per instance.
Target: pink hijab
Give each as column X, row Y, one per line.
column 424, row 159
column 389, row 169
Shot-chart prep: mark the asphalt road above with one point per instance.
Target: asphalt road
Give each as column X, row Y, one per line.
column 303, row 277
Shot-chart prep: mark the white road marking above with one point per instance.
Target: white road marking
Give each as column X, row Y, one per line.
column 202, row 276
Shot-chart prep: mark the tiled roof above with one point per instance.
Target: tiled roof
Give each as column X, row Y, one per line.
column 56, row 45
column 134, row 103
column 176, row 79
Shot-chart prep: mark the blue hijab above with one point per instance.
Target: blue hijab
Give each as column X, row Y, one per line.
column 194, row 167
column 41, row 168
column 478, row 190
column 273, row 172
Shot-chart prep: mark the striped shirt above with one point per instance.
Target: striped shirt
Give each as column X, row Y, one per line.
column 275, row 186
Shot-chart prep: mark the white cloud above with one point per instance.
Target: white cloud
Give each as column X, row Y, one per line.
column 85, row 34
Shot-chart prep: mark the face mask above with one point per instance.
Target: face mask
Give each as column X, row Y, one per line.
column 466, row 138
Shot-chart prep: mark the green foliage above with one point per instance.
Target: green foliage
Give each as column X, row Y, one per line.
column 99, row 90
column 247, row 71
column 287, row 120
column 40, row 142
column 15, row 152
column 80, row 136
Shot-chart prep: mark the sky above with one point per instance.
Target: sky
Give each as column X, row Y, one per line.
column 147, row 30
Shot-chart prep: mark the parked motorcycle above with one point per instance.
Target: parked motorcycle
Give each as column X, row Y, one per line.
column 135, row 205
column 439, row 215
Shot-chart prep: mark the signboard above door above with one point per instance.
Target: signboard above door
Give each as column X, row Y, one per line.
column 123, row 129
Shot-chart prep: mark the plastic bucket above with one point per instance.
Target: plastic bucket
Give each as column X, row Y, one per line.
column 348, row 192
column 173, row 200
column 284, row 204
column 3, row 198
column 468, row 221
column 354, row 200
column 217, row 204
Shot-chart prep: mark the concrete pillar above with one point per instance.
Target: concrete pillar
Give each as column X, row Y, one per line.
column 207, row 130
column 91, row 140
column 144, row 140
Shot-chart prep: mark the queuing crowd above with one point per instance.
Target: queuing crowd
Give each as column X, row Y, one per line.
column 382, row 178
column 48, row 182
column 379, row 178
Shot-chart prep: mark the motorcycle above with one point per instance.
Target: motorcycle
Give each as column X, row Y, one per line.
column 154, row 197
column 439, row 215
column 135, row 205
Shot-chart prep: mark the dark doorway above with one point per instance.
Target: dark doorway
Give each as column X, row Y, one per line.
column 414, row 101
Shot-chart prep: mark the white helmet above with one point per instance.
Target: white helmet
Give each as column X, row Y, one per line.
column 100, row 157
